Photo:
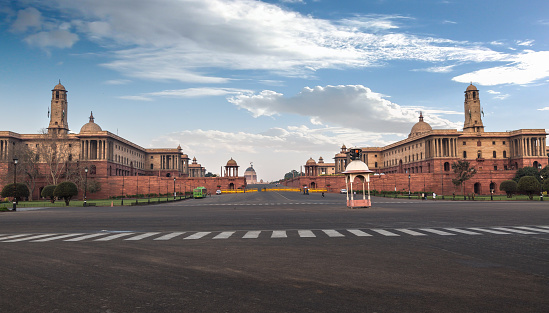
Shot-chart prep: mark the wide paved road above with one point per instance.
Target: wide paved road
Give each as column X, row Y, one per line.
column 278, row 252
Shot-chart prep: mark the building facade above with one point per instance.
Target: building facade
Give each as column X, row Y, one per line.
column 57, row 154
column 433, row 151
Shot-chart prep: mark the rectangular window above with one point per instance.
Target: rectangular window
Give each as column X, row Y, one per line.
column 495, row 167
column 504, row 142
column 464, row 143
column 493, row 143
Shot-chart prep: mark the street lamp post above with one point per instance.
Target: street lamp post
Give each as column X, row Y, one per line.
column 541, row 185
column 167, row 191
column 442, row 180
column 86, row 187
column 174, row 194
column 15, row 160
column 491, row 189
column 409, row 190
column 122, row 203
column 137, row 189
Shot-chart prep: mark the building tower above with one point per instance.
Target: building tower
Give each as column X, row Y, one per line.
column 58, row 118
column 473, row 120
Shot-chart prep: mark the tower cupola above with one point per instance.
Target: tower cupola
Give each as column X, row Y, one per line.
column 473, row 120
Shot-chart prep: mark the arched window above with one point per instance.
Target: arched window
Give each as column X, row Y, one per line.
column 504, row 154
column 494, row 154
column 479, row 154
column 446, row 166
column 465, row 154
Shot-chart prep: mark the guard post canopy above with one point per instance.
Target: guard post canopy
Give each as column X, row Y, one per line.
column 358, row 169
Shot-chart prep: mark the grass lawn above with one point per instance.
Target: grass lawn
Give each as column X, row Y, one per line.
column 80, row 203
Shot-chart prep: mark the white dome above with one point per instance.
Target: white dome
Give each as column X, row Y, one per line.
column 357, row 166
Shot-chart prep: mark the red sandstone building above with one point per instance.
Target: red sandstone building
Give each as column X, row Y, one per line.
column 424, row 159
column 117, row 164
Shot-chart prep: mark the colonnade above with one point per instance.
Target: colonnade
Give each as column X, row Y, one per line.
column 169, row 162
column 4, row 149
column 231, row 171
column 441, row 147
column 94, row 149
column 528, row 146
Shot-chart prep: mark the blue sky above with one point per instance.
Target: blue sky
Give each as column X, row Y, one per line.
column 273, row 82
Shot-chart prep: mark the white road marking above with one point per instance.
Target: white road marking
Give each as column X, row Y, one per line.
column 438, row 232
column 385, row 233
column 145, row 235
column 306, row 234
column 252, row 234
column 533, row 229
column 111, row 237
column 516, row 231
column 198, row 235
column 14, row 236
column 457, row 230
column 224, row 235
column 85, row 237
column 411, row 232
column 490, row 231
column 358, row 233
column 169, row 236
column 56, row 237
column 332, row 233
column 30, row 238
column 279, row 234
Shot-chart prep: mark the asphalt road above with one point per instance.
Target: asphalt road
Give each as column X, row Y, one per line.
column 278, row 252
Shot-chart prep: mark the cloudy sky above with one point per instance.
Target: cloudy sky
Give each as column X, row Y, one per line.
column 273, row 82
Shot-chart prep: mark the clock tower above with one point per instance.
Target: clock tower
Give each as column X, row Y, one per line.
column 58, row 118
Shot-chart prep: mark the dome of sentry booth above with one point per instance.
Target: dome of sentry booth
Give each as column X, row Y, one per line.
column 357, row 167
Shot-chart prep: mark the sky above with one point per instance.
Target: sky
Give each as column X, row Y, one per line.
column 273, row 82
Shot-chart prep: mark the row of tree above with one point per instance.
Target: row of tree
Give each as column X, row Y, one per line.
column 65, row 190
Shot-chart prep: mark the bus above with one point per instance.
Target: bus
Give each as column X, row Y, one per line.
column 200, row 192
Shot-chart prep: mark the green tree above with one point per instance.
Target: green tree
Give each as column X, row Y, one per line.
column 526, row 171
column 545, row 185
column 291, row 174
column 66, row 190
column 509, row 186
column 47, row 193
column 528, row 185
column 22, row 191
column 210, row 174
column 94, row 186
column 463, row 172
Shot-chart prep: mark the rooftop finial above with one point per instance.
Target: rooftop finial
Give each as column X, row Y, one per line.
column 420, row 116
column 91, row 117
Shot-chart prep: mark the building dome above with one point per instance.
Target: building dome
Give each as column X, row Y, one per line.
column 420, row 127
column 320, row 160
column 357, row 166
column 59, row 86
column 231, row 162
column 90, row 127
column 471, row 87
column 250, row 175
column 310, row 162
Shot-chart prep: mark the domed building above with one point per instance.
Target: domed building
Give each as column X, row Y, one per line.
column 429, row 153
column 250, row 175
column 231, row 168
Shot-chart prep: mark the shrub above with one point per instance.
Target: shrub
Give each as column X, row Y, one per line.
column 22, row 191
column 509, row 186
column 66, row 190
column 47, row 193
column 528, row 185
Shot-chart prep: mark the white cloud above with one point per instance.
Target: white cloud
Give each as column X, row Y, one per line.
column 117, row 82
column 527, row 43
column 29, row 18
column 55, row 38
column 526, row 68
column 192, row 40
column 353, row 106
column 438, row 69
column 189, row 93
column 544, row 109
column 498, row 95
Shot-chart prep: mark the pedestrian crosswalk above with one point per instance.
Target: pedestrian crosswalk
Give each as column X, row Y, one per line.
column 104, row 236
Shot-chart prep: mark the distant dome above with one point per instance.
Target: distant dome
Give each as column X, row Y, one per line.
column 59, row 86
column 231, row 162
column 420, row 127
column 320, row 160
column 249, row 169
column 250, row 175
column 471, row 87
column 310, row 162
column 90, row 127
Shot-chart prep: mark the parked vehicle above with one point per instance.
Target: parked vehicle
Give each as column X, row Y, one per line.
column 218, row 192
column 344, row 191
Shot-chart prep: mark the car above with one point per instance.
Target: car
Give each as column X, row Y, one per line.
column 343, row 191
column 218, row 192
